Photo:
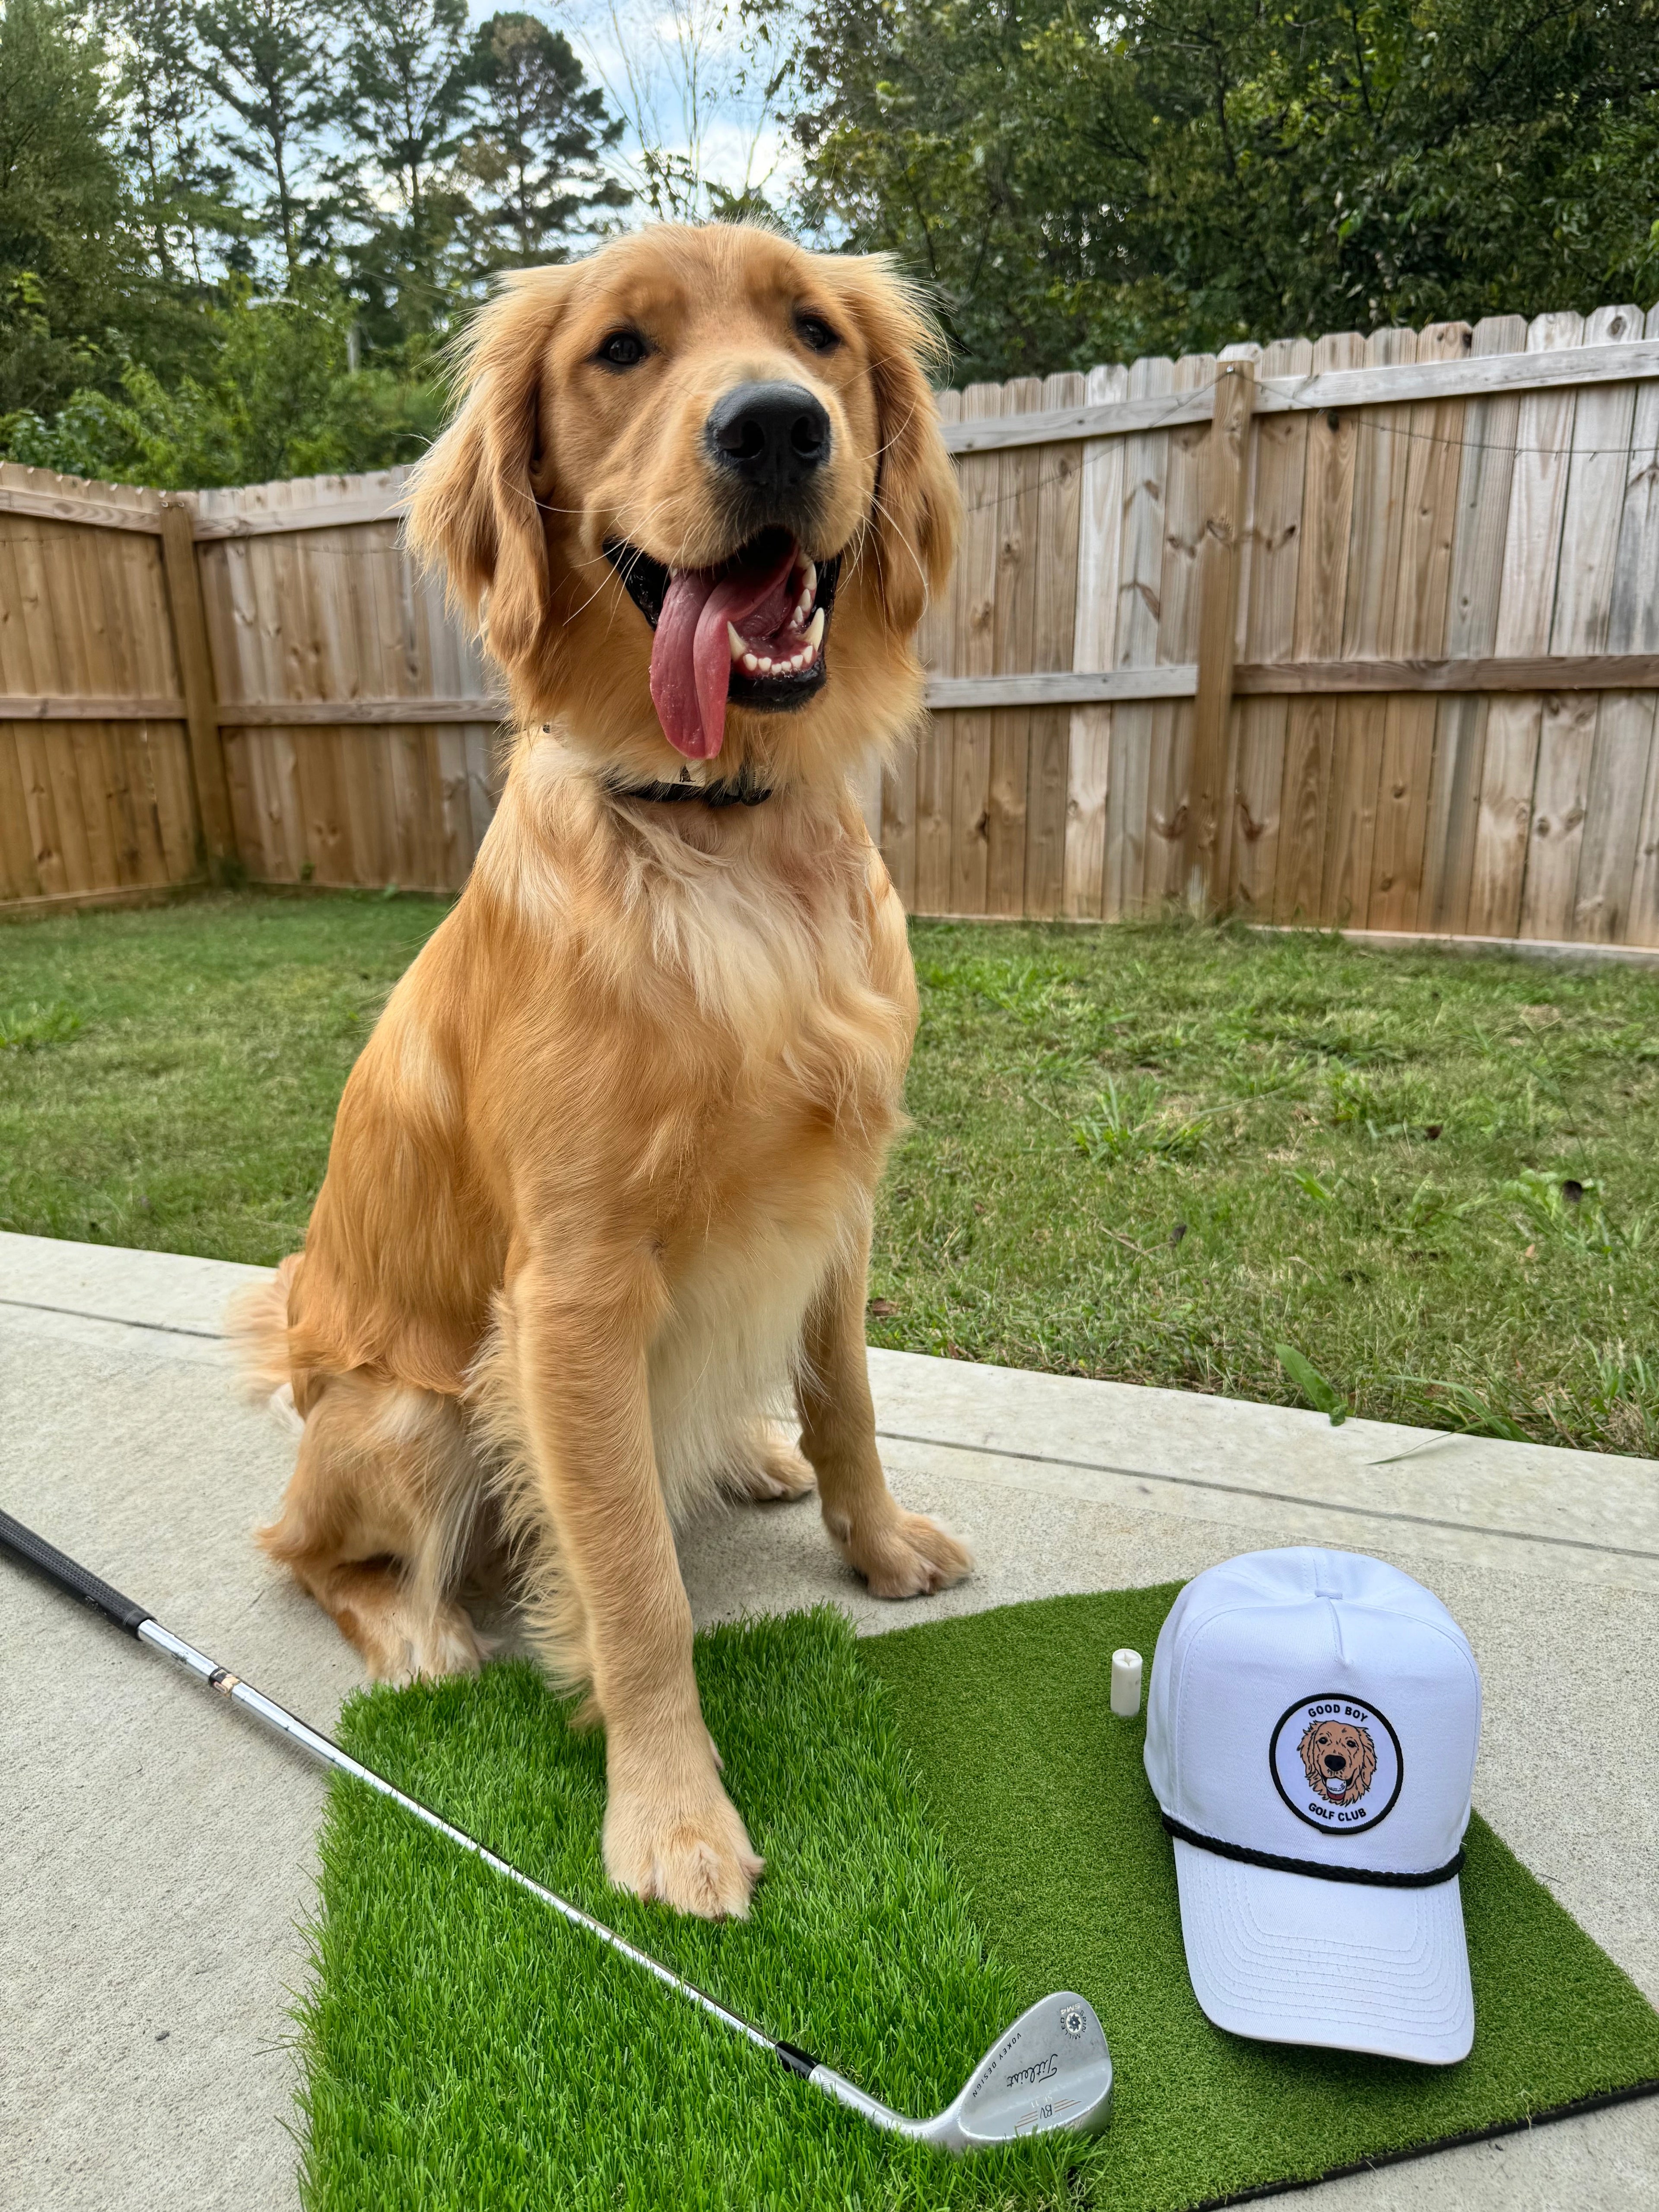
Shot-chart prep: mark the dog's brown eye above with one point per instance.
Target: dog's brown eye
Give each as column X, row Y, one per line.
column 812, row 330
column 622, row 350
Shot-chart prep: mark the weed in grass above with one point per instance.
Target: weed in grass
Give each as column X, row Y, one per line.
column 1473, row 1413
column 1127, row 1124
column 27, row 1028
column 1320, row 1394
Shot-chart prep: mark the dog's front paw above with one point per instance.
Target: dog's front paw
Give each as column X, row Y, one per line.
column 698, row 1859
column 906, row 1555
column 773, row 1471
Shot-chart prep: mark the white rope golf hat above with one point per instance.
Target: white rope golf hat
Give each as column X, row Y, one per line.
column 1311, row 1730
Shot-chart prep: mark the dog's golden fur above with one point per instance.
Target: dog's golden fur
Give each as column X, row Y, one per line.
column 600, row 1191
column 1347, row 1741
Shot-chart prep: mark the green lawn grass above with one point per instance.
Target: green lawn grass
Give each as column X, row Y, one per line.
column 970, row 1830
column 1160, row 1154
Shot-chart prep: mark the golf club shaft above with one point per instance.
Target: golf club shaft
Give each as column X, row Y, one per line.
column 79, row 1582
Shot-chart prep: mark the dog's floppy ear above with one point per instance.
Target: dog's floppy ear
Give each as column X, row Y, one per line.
column 473, row 507
column 918, row 510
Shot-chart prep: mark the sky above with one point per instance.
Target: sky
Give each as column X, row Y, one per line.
column 675, row 69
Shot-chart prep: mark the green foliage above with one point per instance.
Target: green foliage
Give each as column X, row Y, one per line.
column 234, row 237
column 276, row 398
column 1129, row 1124
column 1084, row 184
column 539, row 151
column 271, row 62
column 1322, row 1395
column 65, row 262
column 404, row 110
column 27, row 1028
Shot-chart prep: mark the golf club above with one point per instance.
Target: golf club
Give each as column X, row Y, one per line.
column 1050, row 2072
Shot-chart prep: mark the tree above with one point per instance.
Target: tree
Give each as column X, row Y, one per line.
column 406, row 110
column 66, row 253
column 273, row 396
column 1083, row 182
column 180, row 197
column 271, row 63
column 541, row 144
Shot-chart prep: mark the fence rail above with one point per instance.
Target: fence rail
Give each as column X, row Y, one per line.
column 1362, row 631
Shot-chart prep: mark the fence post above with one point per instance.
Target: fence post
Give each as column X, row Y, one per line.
column 1227, row 476
column 207, row 757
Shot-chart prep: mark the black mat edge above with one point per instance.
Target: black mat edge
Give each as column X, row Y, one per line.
column 1568, row 2111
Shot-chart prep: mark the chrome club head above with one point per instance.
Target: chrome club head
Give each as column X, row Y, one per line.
column 1050, row 2072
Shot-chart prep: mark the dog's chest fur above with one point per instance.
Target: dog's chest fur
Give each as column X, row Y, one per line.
column 741, row 1029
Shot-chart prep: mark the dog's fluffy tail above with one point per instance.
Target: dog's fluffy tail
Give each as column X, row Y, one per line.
column 256, row 1322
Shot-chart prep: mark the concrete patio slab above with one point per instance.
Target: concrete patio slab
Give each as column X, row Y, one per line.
column 159, row 1855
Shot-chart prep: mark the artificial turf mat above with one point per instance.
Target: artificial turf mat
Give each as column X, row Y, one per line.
column 953, row 1825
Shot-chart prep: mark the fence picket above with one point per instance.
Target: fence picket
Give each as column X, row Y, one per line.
column 1635, row 729
column 1060, row 502
column 1099, row 546
column 1526, row 602
column 1432, row 433
column 1626, row 604
column 1268, row 626
column 1321, row 585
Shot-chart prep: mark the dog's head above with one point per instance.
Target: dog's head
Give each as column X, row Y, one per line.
column 697, row 490
column 1340, row 1760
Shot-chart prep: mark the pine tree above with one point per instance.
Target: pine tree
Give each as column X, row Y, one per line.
column 66, row 254
column 405, row 111
column 271, row 62
column 541, row 144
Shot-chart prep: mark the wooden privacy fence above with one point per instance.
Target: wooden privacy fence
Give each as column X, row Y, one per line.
column 1356, row 631
column 258, row 680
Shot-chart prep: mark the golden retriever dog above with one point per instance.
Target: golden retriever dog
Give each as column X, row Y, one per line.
column 1340, row 1760
column 598, row 1198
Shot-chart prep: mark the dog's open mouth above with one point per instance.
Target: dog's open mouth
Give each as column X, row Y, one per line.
column 751, row 632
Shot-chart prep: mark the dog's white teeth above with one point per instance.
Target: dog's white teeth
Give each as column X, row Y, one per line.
column 739, row 648
column 809, row 583
column 815, row 632
column 765, row 665
column 750, row 663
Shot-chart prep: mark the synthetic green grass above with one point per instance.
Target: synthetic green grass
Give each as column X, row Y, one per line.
column 1158, row 1153
column 463, row 2048
column 953, row 1826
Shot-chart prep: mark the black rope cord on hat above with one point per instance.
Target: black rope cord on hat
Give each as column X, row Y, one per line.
column 1374, row 1877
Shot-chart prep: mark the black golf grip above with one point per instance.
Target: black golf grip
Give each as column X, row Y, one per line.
column 69, row 1574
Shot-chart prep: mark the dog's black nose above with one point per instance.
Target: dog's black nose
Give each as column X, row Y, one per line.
column 773, row 437
column 1334, row 1762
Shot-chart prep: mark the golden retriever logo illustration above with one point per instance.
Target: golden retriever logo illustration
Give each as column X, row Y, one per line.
column 1336, row 1763
column 1340, row 1760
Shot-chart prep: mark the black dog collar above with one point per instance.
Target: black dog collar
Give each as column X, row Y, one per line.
column 1377, row 1879
column 741, row 791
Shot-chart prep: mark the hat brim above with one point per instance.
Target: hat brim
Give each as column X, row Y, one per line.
column 1343, row 1965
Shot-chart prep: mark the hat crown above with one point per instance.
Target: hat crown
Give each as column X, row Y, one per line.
column 1316, row 1705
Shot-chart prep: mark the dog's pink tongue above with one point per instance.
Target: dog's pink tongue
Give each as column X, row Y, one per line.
column 691, row 657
